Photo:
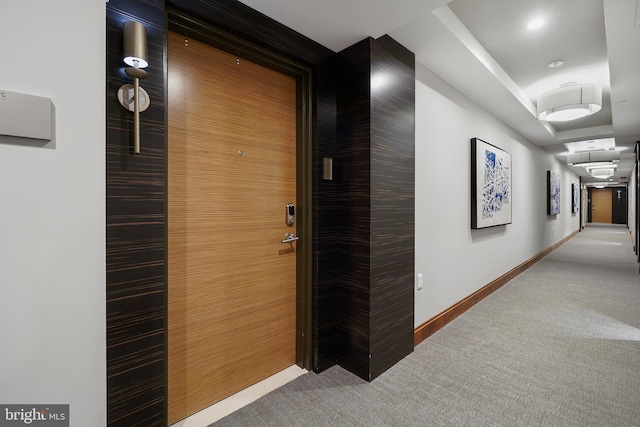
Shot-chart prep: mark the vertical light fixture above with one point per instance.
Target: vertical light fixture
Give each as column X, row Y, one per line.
column 133, row 97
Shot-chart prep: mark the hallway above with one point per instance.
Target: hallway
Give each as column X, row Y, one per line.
column 559, row 345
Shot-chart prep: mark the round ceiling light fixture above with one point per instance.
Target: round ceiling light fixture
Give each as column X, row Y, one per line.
column 570, row 102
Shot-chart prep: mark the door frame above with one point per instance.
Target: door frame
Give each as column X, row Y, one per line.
column 589, row 205
column 199, row 30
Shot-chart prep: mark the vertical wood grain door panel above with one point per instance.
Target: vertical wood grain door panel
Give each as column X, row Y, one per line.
column 601, row 205
column 231, row 171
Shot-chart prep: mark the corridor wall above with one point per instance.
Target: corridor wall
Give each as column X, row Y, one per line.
column 456, row 261
column 52, row 215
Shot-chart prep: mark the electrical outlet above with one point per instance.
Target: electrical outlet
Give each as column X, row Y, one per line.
column 419, row 281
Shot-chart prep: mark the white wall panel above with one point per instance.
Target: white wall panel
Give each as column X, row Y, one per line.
column 52, row 211
column 455, row 260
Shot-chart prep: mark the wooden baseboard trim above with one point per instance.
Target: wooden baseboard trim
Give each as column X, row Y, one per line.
column 437, row 322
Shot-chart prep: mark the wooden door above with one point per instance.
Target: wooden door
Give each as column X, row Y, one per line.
column 231, row 172
column 601, row 205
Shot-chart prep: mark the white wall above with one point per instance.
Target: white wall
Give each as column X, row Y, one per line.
column 52, row 211
column 455, row 260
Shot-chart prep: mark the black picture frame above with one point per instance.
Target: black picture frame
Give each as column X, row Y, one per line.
column 491, row 185
column 575, row 198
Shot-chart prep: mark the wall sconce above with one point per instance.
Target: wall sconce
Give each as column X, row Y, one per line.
column 132, row 96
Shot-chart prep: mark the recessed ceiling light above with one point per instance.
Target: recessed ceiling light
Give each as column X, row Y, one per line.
column 555, row 64
column 534, row 24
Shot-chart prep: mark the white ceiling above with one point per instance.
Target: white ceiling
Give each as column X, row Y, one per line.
column 484, row 49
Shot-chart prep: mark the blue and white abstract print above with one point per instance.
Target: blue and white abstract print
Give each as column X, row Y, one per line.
column 496, row 191
column 491, row 198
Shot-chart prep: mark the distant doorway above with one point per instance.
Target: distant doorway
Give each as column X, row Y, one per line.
column 601, row 205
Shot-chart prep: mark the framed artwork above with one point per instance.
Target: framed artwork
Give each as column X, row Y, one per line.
column 490, row 185
column 575, row 199
column 553, row 193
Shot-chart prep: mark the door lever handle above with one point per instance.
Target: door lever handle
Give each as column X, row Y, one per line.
column 290, row 238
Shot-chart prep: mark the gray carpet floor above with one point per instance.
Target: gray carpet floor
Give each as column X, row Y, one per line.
column 559, row 345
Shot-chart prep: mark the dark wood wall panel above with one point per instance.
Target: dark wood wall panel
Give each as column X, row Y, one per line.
column 353, row 208
column 325, row 252
column 135, row 231
column 392, row 204
column 375, row 209
column 619, row 206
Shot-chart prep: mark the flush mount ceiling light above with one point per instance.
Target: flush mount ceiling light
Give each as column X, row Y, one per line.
column 601, row 173
column 591, row 145
column 589, row 158
column 600, row 166
column 570, row 102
